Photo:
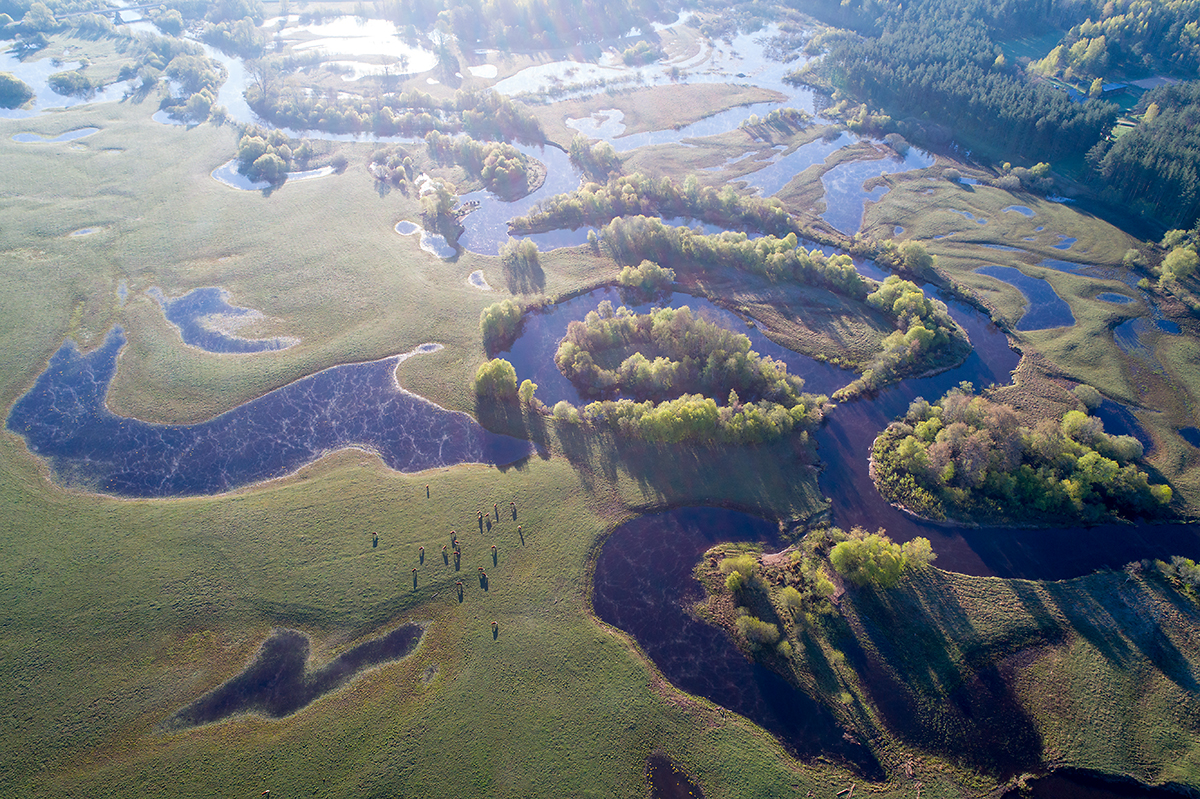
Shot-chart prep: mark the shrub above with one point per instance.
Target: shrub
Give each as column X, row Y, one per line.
column 1090, row 397
column 499, row 324
column 876, row 559
column 497, row 378
column 792, row 600
column 13, row 91
column 746, row 564
column 757, row 631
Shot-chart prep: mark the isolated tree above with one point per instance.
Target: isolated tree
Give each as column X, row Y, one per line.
column 497, row 379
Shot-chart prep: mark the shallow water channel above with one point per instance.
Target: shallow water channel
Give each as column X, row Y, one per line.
column 65, row 420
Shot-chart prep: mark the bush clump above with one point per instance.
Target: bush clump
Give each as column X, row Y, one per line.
column 14, row 92
column 874, row 559
column 969, row 458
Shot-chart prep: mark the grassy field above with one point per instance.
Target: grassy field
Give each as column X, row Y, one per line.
column 119, row 612
column 952, row 676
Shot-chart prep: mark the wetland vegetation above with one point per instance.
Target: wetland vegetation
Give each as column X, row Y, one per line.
column 724, row 251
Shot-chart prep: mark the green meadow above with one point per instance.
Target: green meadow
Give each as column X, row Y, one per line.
column 118, row 612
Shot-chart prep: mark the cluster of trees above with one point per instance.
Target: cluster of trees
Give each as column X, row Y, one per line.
column 874, row 559
column 969, row 458
column 925, row 334
column 694, row 417
column 71, row 82
column 647, row 277
column 13, row 91
column 270, row 155
column 690, row 359
column 641, row 53
column 524, row 24
column 785, row 120
column 479, row 114
column 241, row 37
column 500, row 323
column 597, row 160
column 628, row 195
column 393, row 165
column 1132, row 36
column 688, row 355
column 951, row 73
column 503, row 168
column 1156, row 166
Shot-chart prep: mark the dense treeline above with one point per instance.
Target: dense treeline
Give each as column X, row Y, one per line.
column 925, row 334
column 691, row 363
column 524, row 24
column 1133, row 35
column 1156, row 166
column 969, row 458
column 694, row 417
column 954, row 75
column 503, row 168
column 671, row 352
column 632, row 239
column 481, row 115
column 629, row 195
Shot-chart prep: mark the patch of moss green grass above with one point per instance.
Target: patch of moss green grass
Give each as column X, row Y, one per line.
column 955, row 677
column 123, row 611
column 924, row 214
column 807, row 319
column 654, row 108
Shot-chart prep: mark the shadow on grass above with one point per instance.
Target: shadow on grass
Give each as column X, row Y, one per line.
column 277, row 682
column 938, row 684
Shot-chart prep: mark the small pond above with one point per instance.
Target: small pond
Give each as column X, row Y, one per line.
column 1064, row 242
column 432, row 243
column 604, row 124
column 477, row 280
column 532, row 355
column 845, row 197
column 643, row 585
column 1020, row 209
column 355, row 36
column 35, row 72
column 780, row 170
column 1191, row 435
column 1119, row 421
column 65, row 420
column 278, row 681
column 1045, row 310
column 968, row 215
column 206, row 320
column 37, row 138
column 1116, row 299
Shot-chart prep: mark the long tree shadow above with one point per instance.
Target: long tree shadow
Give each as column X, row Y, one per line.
column 277, row 683
column 942, row 692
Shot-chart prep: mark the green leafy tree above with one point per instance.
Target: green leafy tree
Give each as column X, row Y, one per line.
column 13, row 91
column 496, row 379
